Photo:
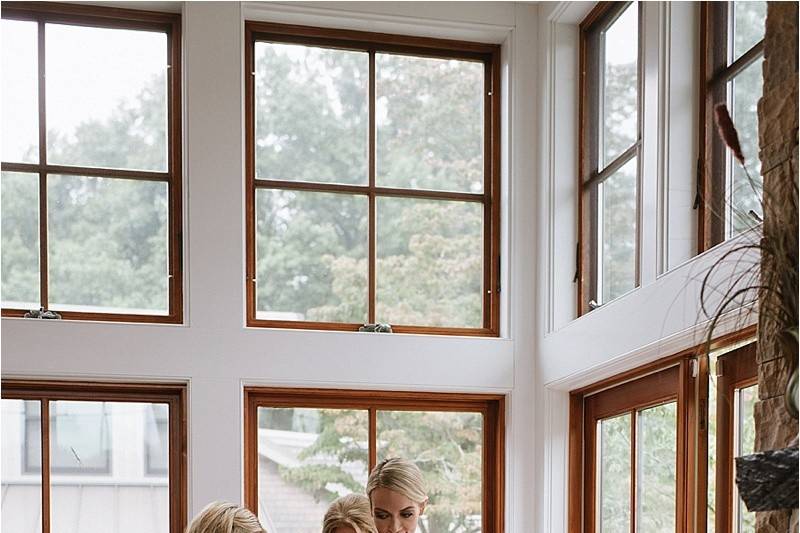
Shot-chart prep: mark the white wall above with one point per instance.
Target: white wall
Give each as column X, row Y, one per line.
column 216, row 354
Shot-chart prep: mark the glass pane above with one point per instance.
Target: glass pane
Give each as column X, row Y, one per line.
column 108, row 245
column 22, row 486
column 97, row 452
column 156, row 438
column 749, row 19
column 311, row 256
column 745, row 444
column 306, row 459
column 656, row 467
column 617, row 232
column 712, row 443
column 430, row 122
column 106, row 97
column 20, row 240
column 619, row 115
column 745, row 91
column 448, row 448
column 311, row 113
column 429, row 268
column 614, row 475
column 20, row 92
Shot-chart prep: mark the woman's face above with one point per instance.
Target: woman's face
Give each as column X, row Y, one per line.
column 393, row 512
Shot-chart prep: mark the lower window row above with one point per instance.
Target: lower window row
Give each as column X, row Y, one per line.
column 77, row 457
column 635, row 446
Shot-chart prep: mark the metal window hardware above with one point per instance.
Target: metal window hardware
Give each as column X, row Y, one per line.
column 376, row 328
column 43, row 314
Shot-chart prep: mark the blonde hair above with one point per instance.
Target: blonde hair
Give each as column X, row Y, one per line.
column 349, row 511
column 400, row 476
column 224, row 517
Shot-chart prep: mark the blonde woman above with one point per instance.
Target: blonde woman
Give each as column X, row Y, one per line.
column 397, row 496
column 349, row 514
column 223, row 517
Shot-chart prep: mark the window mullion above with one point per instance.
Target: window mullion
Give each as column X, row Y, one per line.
column 373, row 438
column 634, row 470
column 45, row 428
column 371, row 247
column 43, row 268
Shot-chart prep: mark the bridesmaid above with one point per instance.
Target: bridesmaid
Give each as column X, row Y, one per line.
column 397, row 495
column 349, row 514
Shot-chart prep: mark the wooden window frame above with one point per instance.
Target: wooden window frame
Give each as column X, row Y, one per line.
column 373, row 43
column 715, row 72
column 736, row 369
column 491, row 406
column 113, row 18
column 589, row 173
column 646, row 386
column 174, row 395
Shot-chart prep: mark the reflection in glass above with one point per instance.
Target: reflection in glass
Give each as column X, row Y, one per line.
column 614, row 475
column 98, row 476
column 744, row 444
column 749, row 18
column 744, row 196
column 107, row 245
column 617, row 198
column 656, row 455
column 429, row 268
column 22, row 489
column 619, row 116
column 448, row 448
column 20, row 98
column 311, row 113
column 306, row 459
column 19, row 194
column 311, row 256
column 106, row 97
column 429, row 121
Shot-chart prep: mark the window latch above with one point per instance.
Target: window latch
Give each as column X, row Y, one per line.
column 43, row 314
column 594, row 305
column 376, row 328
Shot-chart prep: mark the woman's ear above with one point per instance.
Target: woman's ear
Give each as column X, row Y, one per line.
column 422, row 506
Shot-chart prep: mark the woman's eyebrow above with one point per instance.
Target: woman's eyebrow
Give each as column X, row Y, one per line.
column 376, row 509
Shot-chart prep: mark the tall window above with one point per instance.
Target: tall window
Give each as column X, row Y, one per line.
column 91, row 180
column 636, row 441
column 610, row 154
column 372, row 181
column 733, row 52
column 74, row 453
column 304, row 448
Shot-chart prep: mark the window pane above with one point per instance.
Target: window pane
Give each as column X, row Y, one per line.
column 745, row 444
column 617, row 228
column 448, row 448
column 614, row 475
column 22, row 489
column 156, row 437
column 311, row 256
column 107, row 245
column 713, row 361
column 20, row 92
column 619, row 115
column 20, row 239
column 106, row 97
column 311, row 113
column 429, row 119
column 748, row 26
column 306, row 459
column 429, row 268
column 656, row 468
column 97, row 469
column 745, row 91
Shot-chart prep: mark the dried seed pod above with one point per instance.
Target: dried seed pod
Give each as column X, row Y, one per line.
column 728, row 131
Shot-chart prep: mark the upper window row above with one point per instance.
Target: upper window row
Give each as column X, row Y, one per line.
column 372, row 173
column 728, row 197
